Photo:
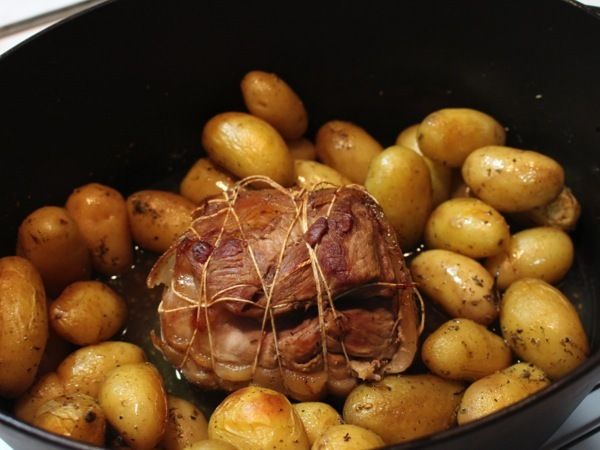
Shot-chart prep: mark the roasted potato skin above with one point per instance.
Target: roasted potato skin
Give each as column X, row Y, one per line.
column 48, row 387
column 50, row 238
column 269, row 97
column 23, row 324
column 311, row 174
column 101, row 216
column 563, row 212
column 317, row 417
column 513, row 180
column 158, row 218
column 403, row 407
column 205, row 179
column 542, row 327
column 302, row 149
column 347, row 437
column 185, row 424
column 88, row 312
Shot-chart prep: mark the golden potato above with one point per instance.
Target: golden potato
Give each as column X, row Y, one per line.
column 458, row 284
column 449, row 135
column 84, row 370
column 467, row 226
column 185, row 424
column 87, row 312
column 205, row 179
column 461, row 349
column 246, row 145
column 347, row 437
column 346, row 148
column 255, row 418
column 542, row 327
column 50, row 238
column 563, row 212
column 45, row 389
column 211, row 444
column 399, row 180
column 269, row 97
column 302, row 149
column 513, row 180
column 135, row 403
column 317, row 417
column 310, row 174
column 544, row 252
column 499, row 390
column 403, row 407
column 76, row 416
column 441, row 176
column 158, row 218
column 23, row 324
column 101, row 216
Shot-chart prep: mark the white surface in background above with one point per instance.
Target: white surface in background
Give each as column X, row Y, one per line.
column 12, row 11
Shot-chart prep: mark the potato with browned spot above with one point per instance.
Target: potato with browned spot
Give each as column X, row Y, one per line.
column 302, row 149
column 205, row 179
column 317, row 417
column 542, row 327
column 403, row 407
column 467, row 226
column 513, row 180
column 441, row 175
column 158, row 218
column 543, row 252
column 311, row 174
column 101, row 215
column 45, row 389
column 50, row 238
column 348, row 437
column 23, row 324
column 76, row 416
column 134, row 400
column 347, row 148
column 246, row 145
column 269, row 97
column 84, row 370
column 211, row 444
column 449, row 135
column 563, row 212
column 458, row 284
column 461, row 349
column 499, row 390
column 88, row 312
column 185, row 424
column 255, row 418
column 399, row 180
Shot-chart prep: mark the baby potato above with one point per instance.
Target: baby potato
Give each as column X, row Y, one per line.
column 499, row 390
column 563, row 212
column 158, row 218
column 76, row 416
column 441, row 176
column 246, row 145
column 513, row 180
column 542, row 327
column 269, row 97
column 45, row 389
column 88, row 312
column 302, row 149
column 544, row 252
column 461, row 349
column 449, row 135
column 399, row 180
column 346, row 148
column 458, row 284
column 84, row 370
column 50, row 238
column 467, row 226
column 255, row 418
column 101, row 216
column 211, row 444
column 403, row 407
column 204, row 180
column 135, row 403
column 311, row 173
column 347, row 437
column 185, row 424
column 317, row 417
column 23, row 324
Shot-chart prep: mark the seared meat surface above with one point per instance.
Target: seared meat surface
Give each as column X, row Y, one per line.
column 303, row 292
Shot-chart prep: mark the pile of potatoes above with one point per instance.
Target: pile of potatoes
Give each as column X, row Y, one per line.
column 449, row 186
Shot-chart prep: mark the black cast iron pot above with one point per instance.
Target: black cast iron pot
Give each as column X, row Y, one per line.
column 119, row 95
